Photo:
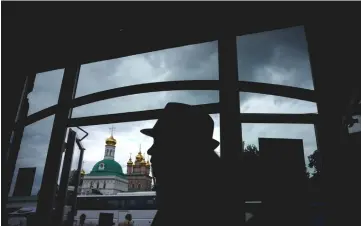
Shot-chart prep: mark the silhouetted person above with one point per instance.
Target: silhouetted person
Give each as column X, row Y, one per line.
column 128, row 220
column 82, row 219
column 187, row 171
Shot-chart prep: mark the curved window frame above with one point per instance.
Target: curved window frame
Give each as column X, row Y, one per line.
column 209, row 85
column 228, row 106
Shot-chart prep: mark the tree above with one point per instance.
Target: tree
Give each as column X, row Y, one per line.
column 252, row 172
column 251, row 149
column 315, row 162
column 315, row 180
column 307, row 173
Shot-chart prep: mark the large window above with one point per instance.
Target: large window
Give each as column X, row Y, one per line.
column 117, row 203
column 268, row 60
column 276, row 61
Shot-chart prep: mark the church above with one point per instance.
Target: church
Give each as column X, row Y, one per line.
column 107, row 177
column 138, row 174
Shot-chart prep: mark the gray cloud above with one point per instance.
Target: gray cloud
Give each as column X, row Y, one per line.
column 33, row 150
column 183, row 63
column 46, row 90
column 278, row 57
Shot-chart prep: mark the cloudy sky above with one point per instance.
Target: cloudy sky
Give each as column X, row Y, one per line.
column 277, row 57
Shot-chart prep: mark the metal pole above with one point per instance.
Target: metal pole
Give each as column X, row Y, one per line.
column 64, row 183
column 73, row 211
column 230, row 128
column 53, row 160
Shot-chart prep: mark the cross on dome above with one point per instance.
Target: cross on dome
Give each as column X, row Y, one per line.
column 130, row 162
column 111, row 130
column 111, row 140
column 139, row 156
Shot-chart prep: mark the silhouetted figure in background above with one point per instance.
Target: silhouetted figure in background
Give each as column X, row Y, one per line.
column 128, row 220
column 82, row 219
column 187, row 171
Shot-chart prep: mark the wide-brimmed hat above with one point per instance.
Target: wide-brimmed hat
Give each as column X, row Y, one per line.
column 184, row 121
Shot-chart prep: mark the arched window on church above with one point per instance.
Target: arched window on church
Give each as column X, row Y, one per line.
column 132, row 185
column 91, row 184
column 98, row 185
column 104, row 185
column 139, row 186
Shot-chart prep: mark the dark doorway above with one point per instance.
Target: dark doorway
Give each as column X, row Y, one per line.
column 284, row 168
column 284, row 178
column 24, row 182
column 105, row 219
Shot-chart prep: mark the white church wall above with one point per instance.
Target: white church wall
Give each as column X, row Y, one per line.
column 121, row 185
column 113, row 184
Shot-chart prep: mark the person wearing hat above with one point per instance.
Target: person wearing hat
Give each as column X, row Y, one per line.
column 186, row 169
column 128, row 220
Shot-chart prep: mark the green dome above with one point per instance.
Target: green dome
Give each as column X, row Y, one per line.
column 107, row 167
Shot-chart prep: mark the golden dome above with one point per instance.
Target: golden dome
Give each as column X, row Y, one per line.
column 147, row 164
column 130, row 162
column 82, row 172
column 111, row 141
column 139, row 157
column 143, row 161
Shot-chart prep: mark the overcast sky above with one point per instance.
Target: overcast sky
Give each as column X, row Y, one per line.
column 277, row 57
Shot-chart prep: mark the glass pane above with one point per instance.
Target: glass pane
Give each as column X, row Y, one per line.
column 61, row 166
column 251, row 134
column 129, row 142
column 277, row 57
column 46, row 90
column 146, row 101
column 263, row 103
column 217, row 132
column 192, row 62
column 33, row 151
column 356, row 127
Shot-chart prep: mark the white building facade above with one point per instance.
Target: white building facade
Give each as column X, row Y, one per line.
column 107, row 175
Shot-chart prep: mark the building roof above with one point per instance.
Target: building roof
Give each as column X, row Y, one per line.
column 110, row 168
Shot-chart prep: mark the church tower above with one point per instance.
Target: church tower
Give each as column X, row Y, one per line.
column 107, row 175
column 138, row 173
column 130, row 165
column 110, row 146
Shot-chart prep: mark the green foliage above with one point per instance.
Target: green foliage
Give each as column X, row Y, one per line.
column 315, row 162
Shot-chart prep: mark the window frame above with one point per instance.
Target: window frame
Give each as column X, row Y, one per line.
column 228, row 77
